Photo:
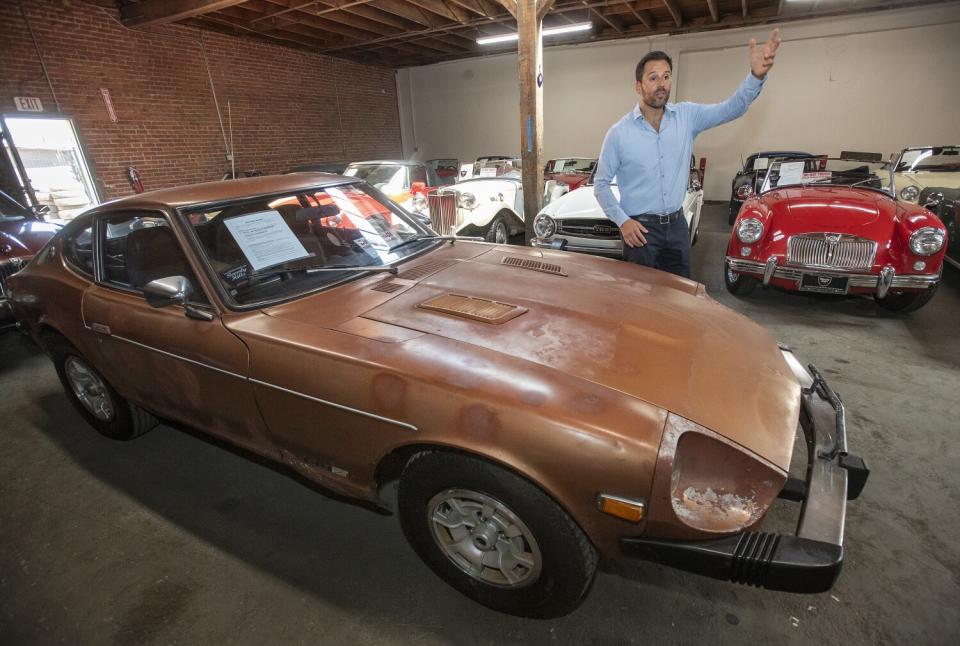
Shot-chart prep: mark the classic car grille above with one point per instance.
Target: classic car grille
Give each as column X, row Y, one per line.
column 534, row 265
column 587, row 228
column 476, row 309
column 831, row 250
column 443, row 211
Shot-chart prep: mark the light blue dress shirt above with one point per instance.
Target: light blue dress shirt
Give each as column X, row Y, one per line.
column 652, row 168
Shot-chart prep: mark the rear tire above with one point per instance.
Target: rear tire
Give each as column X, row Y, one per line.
column 494, row 536
column 907, row 302
column 96, row 400
column 737, row 283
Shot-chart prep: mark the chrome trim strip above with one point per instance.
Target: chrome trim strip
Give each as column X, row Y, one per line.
column 609, row 251
column 174, row 356
column 885, row 280
column 335, row 405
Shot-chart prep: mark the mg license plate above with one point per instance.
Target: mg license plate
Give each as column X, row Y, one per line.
column 824, row 284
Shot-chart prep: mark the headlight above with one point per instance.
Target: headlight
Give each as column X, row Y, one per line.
column 926, row 240
column 419, row 203
column 909, row 193
column 544, row 226
column 745, row 191
column 750, row 230
column 467, row 200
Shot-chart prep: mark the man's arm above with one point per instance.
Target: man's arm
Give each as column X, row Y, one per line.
column 607, row 167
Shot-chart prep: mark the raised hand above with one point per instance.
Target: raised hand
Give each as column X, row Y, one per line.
column 761, row 58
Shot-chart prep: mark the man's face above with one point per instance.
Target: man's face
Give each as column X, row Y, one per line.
column 654, row 87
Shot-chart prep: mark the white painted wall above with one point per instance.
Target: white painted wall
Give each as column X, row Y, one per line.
column 873, row 82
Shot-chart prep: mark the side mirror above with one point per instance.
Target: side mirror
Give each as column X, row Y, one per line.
column 167, row 291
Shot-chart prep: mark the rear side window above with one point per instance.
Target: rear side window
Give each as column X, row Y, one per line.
column 78, row 251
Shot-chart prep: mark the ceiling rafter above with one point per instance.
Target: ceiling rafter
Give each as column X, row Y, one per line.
column 157, row 12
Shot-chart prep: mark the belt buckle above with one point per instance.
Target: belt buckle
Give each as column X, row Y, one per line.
column 664, row 219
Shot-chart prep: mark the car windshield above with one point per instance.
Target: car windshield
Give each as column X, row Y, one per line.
column 389, row 178
column 935, row 158
column 574, row 165
column 276, row 247
column 826, row 171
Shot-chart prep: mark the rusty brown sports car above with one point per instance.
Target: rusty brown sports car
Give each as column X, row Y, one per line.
column 540, row 410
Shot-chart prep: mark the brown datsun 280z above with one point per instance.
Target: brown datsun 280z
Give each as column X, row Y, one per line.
column 540, row 410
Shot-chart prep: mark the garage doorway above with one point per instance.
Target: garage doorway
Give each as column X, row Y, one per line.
column 48, row 159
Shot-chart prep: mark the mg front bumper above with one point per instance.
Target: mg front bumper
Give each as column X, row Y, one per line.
column 810, row 559
column 880, row 283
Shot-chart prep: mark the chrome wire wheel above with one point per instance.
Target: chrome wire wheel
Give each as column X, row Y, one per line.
column 500, row 232
column 732, row 276
column 484, row 538
column 89, row 389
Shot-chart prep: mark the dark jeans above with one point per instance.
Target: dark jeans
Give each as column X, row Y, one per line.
column 667, row 248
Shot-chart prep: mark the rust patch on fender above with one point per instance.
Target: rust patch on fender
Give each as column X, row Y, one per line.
column 479, row 423
column 389, row 391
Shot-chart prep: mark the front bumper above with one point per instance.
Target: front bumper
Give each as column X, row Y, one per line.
column 880, row 283
column 809, row 560
column 614, row 249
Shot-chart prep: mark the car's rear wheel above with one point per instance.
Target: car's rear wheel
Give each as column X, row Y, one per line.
column 96, row 400
column 498, row 232
column 908, row 301
column 494, row 536
column 736, row 282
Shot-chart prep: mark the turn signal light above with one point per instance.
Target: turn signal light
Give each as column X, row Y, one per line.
column 625, row 508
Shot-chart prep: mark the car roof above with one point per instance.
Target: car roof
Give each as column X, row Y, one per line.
column 226, row 190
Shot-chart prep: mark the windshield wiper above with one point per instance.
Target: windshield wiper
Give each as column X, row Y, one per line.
column 391, row 269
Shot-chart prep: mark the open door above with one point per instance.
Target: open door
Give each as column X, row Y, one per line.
column 46, row 153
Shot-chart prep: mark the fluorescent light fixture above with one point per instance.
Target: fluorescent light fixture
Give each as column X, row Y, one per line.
column 553, row 31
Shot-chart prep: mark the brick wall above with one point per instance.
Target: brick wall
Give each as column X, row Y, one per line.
column 288, row 106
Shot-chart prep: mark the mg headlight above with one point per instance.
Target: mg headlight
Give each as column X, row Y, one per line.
column 744, row 191
column 420, row 203
column 926, row 240
column 750, row 230
column 544, row 226
column 910, row 193
column 467, row 200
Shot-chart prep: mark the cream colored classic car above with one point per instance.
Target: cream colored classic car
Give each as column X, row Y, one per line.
column 490, row 207
column 923, row 166
column 575, row 222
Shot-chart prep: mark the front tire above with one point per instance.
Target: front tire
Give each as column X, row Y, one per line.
column 494, row 536
column 736, row 283
column 96, row 400
column 498, row 232
column 907, row 302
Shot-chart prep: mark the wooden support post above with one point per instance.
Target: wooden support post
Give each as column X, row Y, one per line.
column 530, row 50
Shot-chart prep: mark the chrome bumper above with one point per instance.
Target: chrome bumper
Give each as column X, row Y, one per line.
column 547, row 243
column 881, row 283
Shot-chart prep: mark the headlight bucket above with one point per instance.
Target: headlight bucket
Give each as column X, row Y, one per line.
column 467, row 200
column 544, row 226
column 910, row 193
column 750, row 230
column 927, row 240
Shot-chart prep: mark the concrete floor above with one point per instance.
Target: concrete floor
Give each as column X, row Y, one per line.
column 171, row 539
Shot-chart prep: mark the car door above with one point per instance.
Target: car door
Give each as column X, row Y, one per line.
column 188, row 369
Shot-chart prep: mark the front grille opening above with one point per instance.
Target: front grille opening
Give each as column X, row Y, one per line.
column 533, row 265
column 473, row 308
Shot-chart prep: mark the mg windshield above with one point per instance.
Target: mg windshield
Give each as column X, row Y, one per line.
column 826, row 171
column 935, row 159
column 570, row 165
column 389, row 178
column 271, row 248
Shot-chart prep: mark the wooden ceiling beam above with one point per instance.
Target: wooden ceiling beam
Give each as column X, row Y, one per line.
column 158, row 12
column 642, row 16
column 745, row 7
column 675, row 12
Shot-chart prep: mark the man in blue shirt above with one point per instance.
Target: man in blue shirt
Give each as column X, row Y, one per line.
column 648, row 153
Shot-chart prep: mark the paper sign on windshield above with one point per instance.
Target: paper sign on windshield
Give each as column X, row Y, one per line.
column 817, row 176
column 265, row 239
column 791, row 173
column 488, row 172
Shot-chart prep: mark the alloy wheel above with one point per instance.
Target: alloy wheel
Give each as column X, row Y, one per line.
column 89, row 388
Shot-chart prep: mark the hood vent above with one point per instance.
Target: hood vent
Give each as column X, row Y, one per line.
column 421, row 271
column 475, row 309
column 387, row 286
column 533, row 265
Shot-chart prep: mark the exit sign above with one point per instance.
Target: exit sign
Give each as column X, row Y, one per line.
column 28, row 104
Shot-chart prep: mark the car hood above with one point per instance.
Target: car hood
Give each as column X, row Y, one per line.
column 835, row 209
column 580, row 203
column 645, row 333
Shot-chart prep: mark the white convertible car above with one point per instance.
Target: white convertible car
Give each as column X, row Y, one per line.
column 489, row 207
column 575, row 221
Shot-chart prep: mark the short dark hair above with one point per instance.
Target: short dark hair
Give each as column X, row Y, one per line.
column 656, row 55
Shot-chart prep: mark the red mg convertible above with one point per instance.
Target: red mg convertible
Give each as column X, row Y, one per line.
column 835, row 226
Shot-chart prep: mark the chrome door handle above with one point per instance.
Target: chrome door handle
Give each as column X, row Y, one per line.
column 100, row 328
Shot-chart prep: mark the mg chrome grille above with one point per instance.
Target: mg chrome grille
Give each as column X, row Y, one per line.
column 443, row 210
column 589, row 228
column 831, row 251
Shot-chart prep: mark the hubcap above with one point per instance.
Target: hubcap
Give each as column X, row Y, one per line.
column 484, row 538
column 89, row 388
column 732, row 276
column 500, row 233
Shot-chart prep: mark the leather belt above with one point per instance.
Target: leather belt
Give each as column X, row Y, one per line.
column 655, row 218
